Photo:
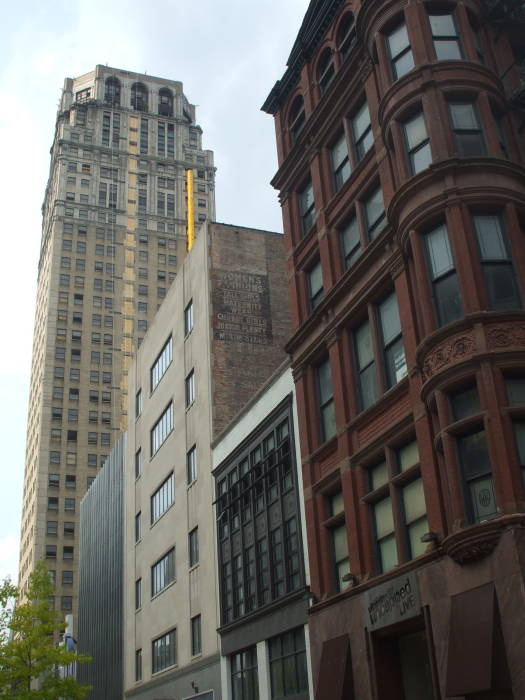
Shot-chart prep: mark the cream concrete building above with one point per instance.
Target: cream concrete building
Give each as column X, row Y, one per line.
column 216, row 339
column 113, row 239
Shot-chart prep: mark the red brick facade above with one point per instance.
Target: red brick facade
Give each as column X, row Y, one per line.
column 442, row 85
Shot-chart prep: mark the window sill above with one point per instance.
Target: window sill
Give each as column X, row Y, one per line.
column 169, row 585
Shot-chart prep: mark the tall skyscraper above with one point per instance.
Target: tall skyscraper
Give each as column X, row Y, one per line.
column 113, row 238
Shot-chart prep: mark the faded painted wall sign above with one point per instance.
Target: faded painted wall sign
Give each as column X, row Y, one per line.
column 392, row 602
column 241, row 308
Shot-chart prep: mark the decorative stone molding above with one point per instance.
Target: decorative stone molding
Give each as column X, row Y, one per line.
column 505, row 336
column 455, row 349
column 479, row 541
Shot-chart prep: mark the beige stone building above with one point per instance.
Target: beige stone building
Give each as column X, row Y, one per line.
column 113, row 240
column 216, row 339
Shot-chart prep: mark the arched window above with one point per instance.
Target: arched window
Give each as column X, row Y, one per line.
column 297, row 118
column 346, row 36
column 325, row 70
column 112, row 91
column 165, row 102
column 139, row 97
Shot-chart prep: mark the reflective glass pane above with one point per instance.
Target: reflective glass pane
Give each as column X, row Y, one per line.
column 515, row 391
column 415, row 131
column 447, row 50
column 339, row 152
column 351, row 242
column 396, row 364
column 415, row 533
column 403, row 64
column 389, row 317
column 465, row 403
column 388, row 553
column 398, row 40
column 421, row 158
column 361, row 122
column 340, row 543
column 368, row 386
column 315, row 277
column 501, row 287
column 490, row 237
column 336, row 503
column 408, row 456
column 378, row 475
column 519, row 432
column 439, row 252
column 328, row 417
column 384, row 518
column 342, row 568
column 448, row 300
column 307, row 198
column 483, row 499
column 442, row 25
column 414, row 500
column 325, row 381
column 464, row 116
column 363, row 339
column 474, row 454
column 375, row 208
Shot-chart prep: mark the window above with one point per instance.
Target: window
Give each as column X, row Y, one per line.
column 340, row 162
column 315, row 285
column 477, row 476
column 67, row 578
column 161, row 429
column 138, row 527
column 391, row 341
column 162, row 363
column 196, row 640
column 362, row 132
column 112, row 91
column 325, row 71
column 401, row 59
column 398, row 472
column 53, row 480
column 71, row 481
column 162, row 499
column 244, row 679
column 288, row 670
column 163, row 652
column 193, row 546
column 297, row 118
column 69, row 505
column 66, row 603
column 51, row 527
column 138, row 594
column 339, row 542
column 417, row 143
column 326, row 400
column 51, row 551
column 188, row 318
column 191, row 464
column 138, row 403
column 190, row 389
column 375, row 213
column 68, row 552
column 139, row 97
column 69, row 529
column 445, row 37
column 163, row 572
column 500, row 281
column 138, row 463
column 346, row 36
column 52, row 503
column 307, row 207
column 445, row 286
column 138, row 665
column 468, row 135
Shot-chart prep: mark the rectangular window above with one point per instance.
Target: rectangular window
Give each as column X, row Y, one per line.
column 315, row 285
column 138, row 594
column 393, row 349
column 138, row 463
column 417, row 143
column 340, row 162
column 244, row 679
column 161, row 429
column 477, row 476
column 138, row 526
column 401, row 59
column 366, row 370
column 362, row 132
column 351, row 242
column 163, row 572
column 191, row 464
column 288, row 670
column 163, row 652
column 341, row 562
column 138, row 403
column 196, row 639
column 326, row 400
column 445, row 37
column 193, row 546
column 468, row 135
column 307, row 207
column 162, row 499
column 188, row 318
column 138, row 665
column 162, row 363
column 375, row 213
column 190, row 389
column 498, row 271
column 445, row 286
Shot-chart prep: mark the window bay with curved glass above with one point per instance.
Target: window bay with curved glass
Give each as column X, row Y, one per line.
column 445, row 286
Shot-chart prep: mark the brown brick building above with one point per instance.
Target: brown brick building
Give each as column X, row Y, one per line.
column 400, row 141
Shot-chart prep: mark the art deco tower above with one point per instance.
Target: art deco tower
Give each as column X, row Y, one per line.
column 113, row 237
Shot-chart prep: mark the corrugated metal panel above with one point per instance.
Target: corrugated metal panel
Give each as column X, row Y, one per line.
column 100, row 579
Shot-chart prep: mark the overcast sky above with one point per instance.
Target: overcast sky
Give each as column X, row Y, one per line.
column 228, row 55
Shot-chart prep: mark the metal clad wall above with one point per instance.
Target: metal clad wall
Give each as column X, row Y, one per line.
column 100, row 579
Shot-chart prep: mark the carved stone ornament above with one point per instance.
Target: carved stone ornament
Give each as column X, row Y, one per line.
column 479, row 541
column 505, row 336
column 452, row 350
